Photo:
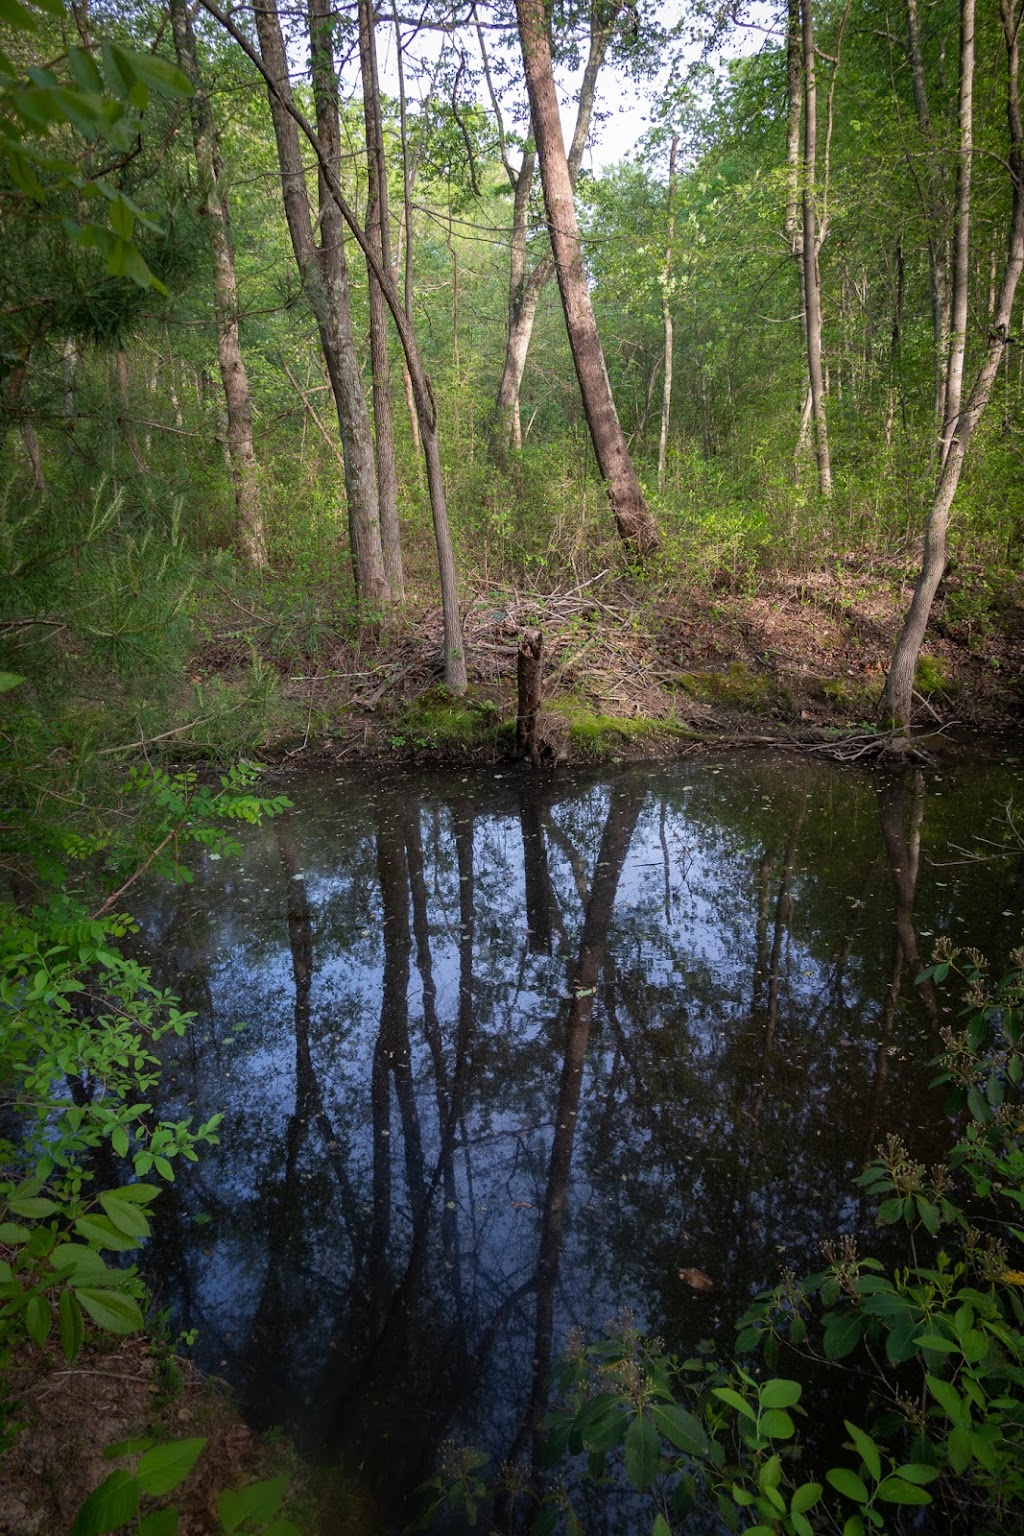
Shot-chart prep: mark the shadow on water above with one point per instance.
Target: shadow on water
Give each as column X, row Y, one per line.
column 518, row 1053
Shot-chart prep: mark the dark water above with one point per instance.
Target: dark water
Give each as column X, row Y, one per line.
column 518, row 1051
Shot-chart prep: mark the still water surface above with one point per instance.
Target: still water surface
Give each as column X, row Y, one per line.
column 519, row 1052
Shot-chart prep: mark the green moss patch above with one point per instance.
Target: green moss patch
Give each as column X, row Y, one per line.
column 739, row 687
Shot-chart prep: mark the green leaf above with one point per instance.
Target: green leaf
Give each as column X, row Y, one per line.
column 162, row 1522
column 779, row 1394
column 733, row 1398
column 777, row 1424
column 258, row 1502
column 978, row 1105
column 842, row 1334
column 847, row 1483
column 101, row 1232
column 109, row 1506
column 160, row 75
column 958, row 1449
column 38, row 1320
column 83, row 67
column 680, row 1428
column 165, row 1466
column 9, row 680
column 72, row 1327
column 125, row 1215
column 661, row 1526
column 10, row 1232
column 32, row 1207
column 128, row 1448
column 138, row 1194
column 805, row 1497
column 917, row 1472
column 643, row 1452
column 867, row 1449
column 119, row 1140
column 111, row 1310
column 83, row 1265
column 947, row 1397
column 936, row 1341
column 894, row 1490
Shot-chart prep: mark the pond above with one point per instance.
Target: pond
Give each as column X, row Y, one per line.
column 500, row 1055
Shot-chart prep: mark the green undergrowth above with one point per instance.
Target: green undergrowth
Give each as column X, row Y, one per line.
column 598, row 737
column 437, row 720
column 740, row 687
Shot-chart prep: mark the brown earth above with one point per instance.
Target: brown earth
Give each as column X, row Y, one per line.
column 800, row 659
column 64, row 1417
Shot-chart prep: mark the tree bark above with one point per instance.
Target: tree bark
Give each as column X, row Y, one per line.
column 250, row 530
column 961, row 240
column 811, row 245
column 897, row 698
column 377, row 231
column 529, row 681
column 324, row 276
column 936, row 213
column 632, row 517
column 527, row 284
column 666, row 311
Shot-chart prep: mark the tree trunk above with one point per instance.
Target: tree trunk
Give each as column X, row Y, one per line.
column 324, row 276
column 529, row 683
column 250, row 530
column 377, row 232
column 526, row 286
column 811, row 244
column 666, row 312
column 961, row 241
column 633, row 519
column 897, row 699
column 936, row 213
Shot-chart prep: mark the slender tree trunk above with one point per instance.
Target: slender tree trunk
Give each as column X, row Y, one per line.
column 633, row 519
column 378, row 234
column 525, row 286
column 961, row 240
column 666, row 312
column 811, row 244
column 324, row 277
column 897, row 698
column 213, row 206
column 936, row 212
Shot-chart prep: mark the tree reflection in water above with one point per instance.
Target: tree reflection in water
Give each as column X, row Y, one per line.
column 520, row 1051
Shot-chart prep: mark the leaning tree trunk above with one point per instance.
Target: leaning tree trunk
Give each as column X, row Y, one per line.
column 324, row 277
column 632, row 517
column 527, row 284
column 214, row 208
column 897, row 698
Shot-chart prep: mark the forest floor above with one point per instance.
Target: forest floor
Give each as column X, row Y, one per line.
column 634, row 670
column 68, row 1417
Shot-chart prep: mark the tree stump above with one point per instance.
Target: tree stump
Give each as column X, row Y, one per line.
column 528, row 680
